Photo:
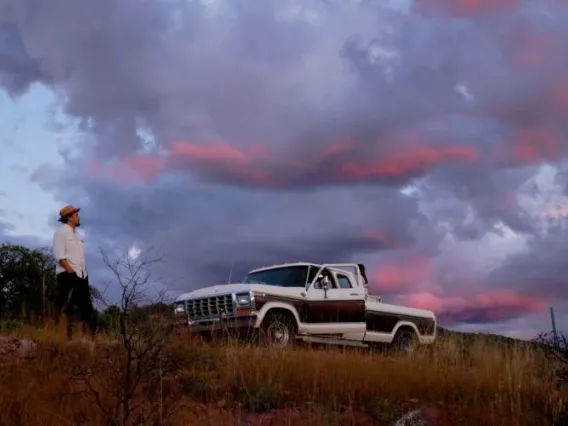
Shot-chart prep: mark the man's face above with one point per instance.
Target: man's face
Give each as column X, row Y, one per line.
column 75, row 220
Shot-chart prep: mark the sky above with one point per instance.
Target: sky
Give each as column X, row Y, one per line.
column 427, row 139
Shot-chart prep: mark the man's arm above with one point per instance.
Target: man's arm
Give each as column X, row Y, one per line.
column 59, row 251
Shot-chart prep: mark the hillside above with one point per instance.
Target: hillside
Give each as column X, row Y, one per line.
column 464, row 379
column 490, row 339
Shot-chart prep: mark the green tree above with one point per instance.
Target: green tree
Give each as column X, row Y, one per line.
column 28, row 283
column 108, row 320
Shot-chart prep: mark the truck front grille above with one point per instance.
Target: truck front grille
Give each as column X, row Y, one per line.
column 209, row 307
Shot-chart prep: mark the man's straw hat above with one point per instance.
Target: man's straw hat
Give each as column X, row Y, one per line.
column 67, row 211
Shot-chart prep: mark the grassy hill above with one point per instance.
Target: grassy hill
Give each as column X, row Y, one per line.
column 464, row 379
column 491, row 339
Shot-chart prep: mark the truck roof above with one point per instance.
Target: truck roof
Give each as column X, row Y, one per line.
column 280, row 265
column 291, row 264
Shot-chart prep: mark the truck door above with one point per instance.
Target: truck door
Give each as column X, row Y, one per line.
column 338, row 311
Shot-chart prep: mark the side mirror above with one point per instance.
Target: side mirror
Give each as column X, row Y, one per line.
column 322, row 283
column 319, row 282
column 325, row 285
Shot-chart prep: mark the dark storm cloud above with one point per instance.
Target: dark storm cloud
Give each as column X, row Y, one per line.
column 541, row 270
column 237, row 135
column 4, row 225
column 473, row 203
column 30, row 241
column 17, row 68
column 204, row 232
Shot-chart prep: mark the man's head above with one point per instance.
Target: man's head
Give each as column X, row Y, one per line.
column 70, row 215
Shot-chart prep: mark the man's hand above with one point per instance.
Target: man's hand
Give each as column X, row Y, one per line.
column 66, row 266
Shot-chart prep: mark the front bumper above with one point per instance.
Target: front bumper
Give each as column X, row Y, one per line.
column 221, row 324
column 218, row 324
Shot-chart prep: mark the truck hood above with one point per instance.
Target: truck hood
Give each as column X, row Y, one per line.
column 216, row 290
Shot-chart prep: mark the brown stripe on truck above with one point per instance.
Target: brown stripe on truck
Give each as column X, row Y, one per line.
column 320, row 311
column 385, row 322
column 346, row 311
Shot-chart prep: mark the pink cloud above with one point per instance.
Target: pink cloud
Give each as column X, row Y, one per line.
column 537, row 50
column 532, row 144
column 145, row 167
column 492, row 305
column 141, row 168
column 402, row 275
column 221, row 153
column 463, row 7
column 254, row 165
column 409, row 161
column 377, row 237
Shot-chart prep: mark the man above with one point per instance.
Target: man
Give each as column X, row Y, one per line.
column 71, row 272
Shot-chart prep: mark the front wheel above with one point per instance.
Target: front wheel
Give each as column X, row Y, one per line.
column 277, row 330
column 405, row 342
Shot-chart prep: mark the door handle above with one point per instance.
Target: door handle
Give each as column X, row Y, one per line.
column 353, row 294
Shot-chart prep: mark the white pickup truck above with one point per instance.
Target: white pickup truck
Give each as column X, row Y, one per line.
column 305, row 301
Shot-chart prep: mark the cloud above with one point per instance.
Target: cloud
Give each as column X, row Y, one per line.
column 46, row 175
column 402, row 272
column 539, row 270
column 4, row 225
column 486, row 307
column 492, row 306
column 235, row 136
column 204, row 231
column 336, row 164
column 465, row 8
column 18, row 70
column 7, row 235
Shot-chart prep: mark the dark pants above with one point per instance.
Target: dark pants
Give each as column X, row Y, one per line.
column 73, row 297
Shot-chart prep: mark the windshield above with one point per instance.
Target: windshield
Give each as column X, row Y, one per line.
column 286, row 276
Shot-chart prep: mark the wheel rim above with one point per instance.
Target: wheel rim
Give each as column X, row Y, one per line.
column 277, row 334
column 406, row 345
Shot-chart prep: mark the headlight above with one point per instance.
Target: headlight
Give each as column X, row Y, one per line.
column 243, row 299
column 179, row 308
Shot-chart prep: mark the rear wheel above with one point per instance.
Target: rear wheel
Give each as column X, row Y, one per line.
column 405, row 342
column 278, row 330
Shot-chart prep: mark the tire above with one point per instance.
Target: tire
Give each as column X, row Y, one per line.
column 277, row 331
column 405, row 342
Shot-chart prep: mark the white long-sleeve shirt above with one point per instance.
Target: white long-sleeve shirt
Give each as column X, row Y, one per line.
column 69, row 245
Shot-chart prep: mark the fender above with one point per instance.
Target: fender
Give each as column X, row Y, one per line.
column 405, row 324
column 423, row 339
column 261, row 313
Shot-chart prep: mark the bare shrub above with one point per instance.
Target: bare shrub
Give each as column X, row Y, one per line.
column 130, row 377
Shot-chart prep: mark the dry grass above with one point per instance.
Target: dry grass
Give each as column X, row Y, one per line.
column 470, row 384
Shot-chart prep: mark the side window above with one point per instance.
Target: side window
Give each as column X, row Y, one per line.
column 299, row 277
column 343, row 281
column 293, row 276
